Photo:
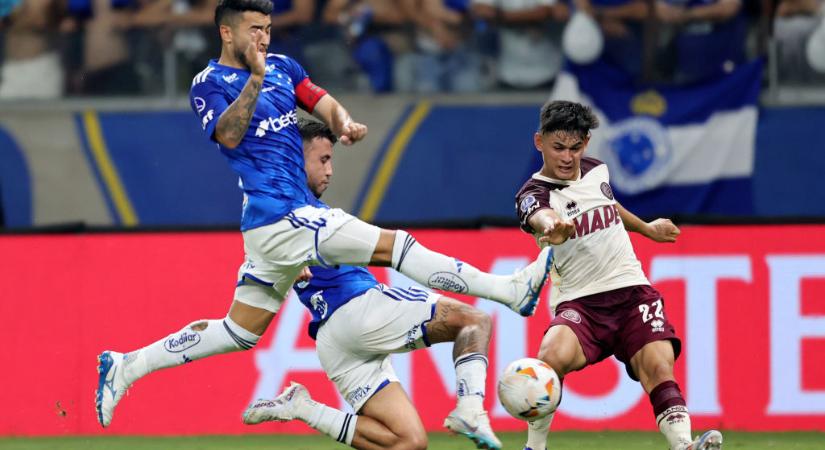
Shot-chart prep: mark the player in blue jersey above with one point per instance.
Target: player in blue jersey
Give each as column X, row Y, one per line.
column 357, row 323
column 246, row 103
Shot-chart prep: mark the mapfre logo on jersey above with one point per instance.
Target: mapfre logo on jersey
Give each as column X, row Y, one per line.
column 274, row 125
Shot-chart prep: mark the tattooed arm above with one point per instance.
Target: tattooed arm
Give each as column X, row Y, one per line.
column 234, row 122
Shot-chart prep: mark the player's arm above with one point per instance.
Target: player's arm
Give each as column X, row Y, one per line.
column 234, row 121
column 338, row 120
column 550, row 226
column 659, row 230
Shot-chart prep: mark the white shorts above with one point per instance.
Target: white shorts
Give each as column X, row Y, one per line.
column 354, row 344
column 307, row 236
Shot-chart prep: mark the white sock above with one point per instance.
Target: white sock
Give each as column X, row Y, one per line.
column 197, row 340
column 674, row 423
column 537, row 432
column 470, row 379
column 442, row 272
column 330, row 421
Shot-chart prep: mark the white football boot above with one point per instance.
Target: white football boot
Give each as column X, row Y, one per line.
column 475, row 425
column 110, row 385
column 529, row 281
column 710, row 440
column 282, row 408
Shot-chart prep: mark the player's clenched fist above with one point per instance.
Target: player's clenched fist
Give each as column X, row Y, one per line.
column 353, row 132
column 255, row 54
column 662, row 230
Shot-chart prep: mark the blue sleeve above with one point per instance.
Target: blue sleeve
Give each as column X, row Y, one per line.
column 292, row 68
column 209, row 102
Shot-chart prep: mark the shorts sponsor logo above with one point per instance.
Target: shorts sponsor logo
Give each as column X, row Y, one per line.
column 181, row 342
column 412, row 337
column 658, row 326
column 571, row 315
column 447, row 281
column 358, row 394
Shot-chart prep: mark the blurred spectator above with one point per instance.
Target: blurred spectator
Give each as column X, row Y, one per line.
column 528, row 56
column 796, row 21
column 288, row 17
column 445, row 58
column 107, row 67
column 376, row 33
column 710, row 36
column 31, row 67
column 622, row 23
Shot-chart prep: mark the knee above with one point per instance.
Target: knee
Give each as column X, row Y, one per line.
column 417, row 441
column 557, row 356
column 658, row 371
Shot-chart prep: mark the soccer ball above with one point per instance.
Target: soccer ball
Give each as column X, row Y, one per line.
column 529, row 389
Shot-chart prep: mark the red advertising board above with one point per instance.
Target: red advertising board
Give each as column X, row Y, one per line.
column 747, row 301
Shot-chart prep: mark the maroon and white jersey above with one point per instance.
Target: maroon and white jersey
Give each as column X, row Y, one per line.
column 599, row 257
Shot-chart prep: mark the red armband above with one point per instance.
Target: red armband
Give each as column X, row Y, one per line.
column 308, row 94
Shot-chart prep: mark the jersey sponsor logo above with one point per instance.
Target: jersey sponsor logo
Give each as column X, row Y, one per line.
column 200, row 104
column 572, row 208
column 207, row 118
column 275, row 125
column 230, row 78
column 596, row 219
column 201, row 77
column 606, row 190
column 638, row 151
column 447, row 281
column 269, row 88
column 181, row 342
column 571, row 315
column 270, row 68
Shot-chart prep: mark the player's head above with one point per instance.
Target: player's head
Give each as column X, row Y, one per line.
column 238, row 20
column 564, row 131
column 318, row 141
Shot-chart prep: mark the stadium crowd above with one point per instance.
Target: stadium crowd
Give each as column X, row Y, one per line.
column 56, row 48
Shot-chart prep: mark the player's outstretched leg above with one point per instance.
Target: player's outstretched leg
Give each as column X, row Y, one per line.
column 386, row 421
column 117, row 371
column 520, row 291
column 469, row 329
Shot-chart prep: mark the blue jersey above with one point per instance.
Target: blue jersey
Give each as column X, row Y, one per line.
column 270, row 159
column 330, row 289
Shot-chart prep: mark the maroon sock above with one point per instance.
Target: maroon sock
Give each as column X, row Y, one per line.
column 664, row 396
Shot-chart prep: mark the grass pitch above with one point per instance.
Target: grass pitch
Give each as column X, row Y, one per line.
column 558, row 441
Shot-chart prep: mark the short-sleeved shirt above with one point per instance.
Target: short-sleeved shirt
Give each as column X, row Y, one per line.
column 599, row 257
column 269, row 159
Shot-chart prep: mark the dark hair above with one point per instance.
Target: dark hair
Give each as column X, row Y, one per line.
column 227, row 9
column 311, row 129
column 560, row 115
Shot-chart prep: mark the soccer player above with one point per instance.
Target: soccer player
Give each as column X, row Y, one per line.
column 604, row 304
column 246, row 102
column 357, row 323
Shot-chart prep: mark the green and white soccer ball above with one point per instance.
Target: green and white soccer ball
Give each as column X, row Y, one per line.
column 529, row 389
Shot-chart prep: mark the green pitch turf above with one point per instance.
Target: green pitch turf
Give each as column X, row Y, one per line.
column 559, row 441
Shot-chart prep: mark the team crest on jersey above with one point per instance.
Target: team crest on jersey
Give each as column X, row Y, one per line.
column 639, row 153
column 571, row 315
column 606, row 190
column 230, row 78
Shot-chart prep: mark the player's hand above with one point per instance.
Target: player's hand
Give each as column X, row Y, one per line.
column 662, row 230
column 557, row 231
column 305, row 275
column 352, row 132
column 255, row 54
